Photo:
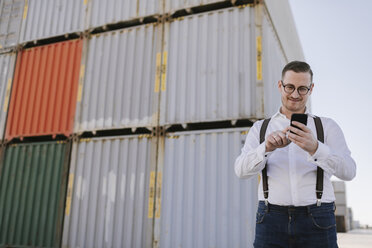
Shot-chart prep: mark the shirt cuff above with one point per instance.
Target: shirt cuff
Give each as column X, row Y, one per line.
column 321, row 153
column 261, row 150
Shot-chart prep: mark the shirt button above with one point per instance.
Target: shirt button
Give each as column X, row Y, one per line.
column 315, row 159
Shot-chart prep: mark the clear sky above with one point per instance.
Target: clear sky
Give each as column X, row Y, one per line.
column 336, row 37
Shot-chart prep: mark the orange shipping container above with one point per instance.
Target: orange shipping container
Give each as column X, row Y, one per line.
column 44, row 91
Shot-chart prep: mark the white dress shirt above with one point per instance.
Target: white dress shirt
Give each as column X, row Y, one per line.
column 291, row 171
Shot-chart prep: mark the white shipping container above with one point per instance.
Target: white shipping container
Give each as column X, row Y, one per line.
column 118, row 90
column 173, row 5
column 114, row 11
column 273, row 61
column 7, row 65
column 108, row 192
column 11, row 14
column 45, row 19
column 212, row 68
column 285, row 27
column 203, row 202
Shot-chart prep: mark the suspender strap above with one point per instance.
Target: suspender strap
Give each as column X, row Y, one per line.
column 264, row 171
column 319, row 172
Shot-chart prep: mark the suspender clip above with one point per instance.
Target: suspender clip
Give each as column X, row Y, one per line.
column 318, row 202
column 266, row 202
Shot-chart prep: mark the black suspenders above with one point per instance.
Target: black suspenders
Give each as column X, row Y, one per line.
column 319, row 173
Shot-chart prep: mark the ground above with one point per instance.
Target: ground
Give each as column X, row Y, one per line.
column 358, row 238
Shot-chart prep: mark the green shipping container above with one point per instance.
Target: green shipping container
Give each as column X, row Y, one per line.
column 32, row 194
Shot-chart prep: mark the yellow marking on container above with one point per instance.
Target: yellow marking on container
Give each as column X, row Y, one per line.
column 86, row 140
column 25, row 10
column 259, row 58
column 1, row 46
column 6, row 101
column 81, row 79
column 151, row 195
column 244, row 132
column 80, row 92
column 82, row 71
column 259, row 179
column 158, row 195
column 158, row 71
column 164, row 71
column 85, row 2
column 144, row 136
column 69, row 194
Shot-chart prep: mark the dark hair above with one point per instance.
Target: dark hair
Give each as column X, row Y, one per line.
column 297, row 66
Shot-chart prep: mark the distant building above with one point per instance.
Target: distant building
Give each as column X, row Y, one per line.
column 344, row 215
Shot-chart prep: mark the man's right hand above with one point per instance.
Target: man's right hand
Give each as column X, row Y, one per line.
column 277, row 139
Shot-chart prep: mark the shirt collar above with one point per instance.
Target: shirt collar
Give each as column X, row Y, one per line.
column 280, row 115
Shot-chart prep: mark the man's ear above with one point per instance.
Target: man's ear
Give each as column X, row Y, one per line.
column 311, row 88
column 280, row 85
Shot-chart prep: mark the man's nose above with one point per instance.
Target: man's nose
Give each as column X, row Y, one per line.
column 295, row 94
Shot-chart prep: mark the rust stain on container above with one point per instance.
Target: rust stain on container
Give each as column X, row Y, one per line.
column 44, row 92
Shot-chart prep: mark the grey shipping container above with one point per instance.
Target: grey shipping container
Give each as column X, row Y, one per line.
column 32, row 194
column 215, row 67
column 203, row 203
column 45, row 19
column 114, row 11
column 7, row 64
column 11, row 15
column 108, row 202
column 118, row 90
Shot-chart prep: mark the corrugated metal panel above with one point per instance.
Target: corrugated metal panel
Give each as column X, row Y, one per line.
column 108, row 193
column 7, row 63
column 273, row 61
column 114, row 11
column 120, row 72
column 43, row 98
column 44, row 19
column 203, row 203
column 32, row 191
column 285, row 26
column 11, row 12
column 173, row 5
column 211, row 68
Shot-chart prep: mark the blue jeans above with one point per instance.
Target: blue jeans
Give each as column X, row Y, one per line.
column 288, row 226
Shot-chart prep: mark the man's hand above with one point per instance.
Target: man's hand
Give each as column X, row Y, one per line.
column 275, row 140
column 303, row 138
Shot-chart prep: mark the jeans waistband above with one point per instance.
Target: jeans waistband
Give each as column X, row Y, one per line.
column 305, row 209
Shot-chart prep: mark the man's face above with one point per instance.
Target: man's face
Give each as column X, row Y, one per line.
column 295, row 102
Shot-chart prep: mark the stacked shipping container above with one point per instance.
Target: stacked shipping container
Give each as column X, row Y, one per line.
column 108, row 199
column 44, row 93
column 7, row 63
column 32, row 189
column 203, row 203
column 147, row 190
column 118, row 86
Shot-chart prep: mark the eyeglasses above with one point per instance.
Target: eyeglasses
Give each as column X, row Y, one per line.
column 290, row 88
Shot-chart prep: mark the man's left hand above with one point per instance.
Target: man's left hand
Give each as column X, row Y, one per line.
column 303, row 137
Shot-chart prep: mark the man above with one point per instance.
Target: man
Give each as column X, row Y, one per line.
column 290, row 216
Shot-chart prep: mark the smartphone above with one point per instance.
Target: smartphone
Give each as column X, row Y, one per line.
column 300, row 118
